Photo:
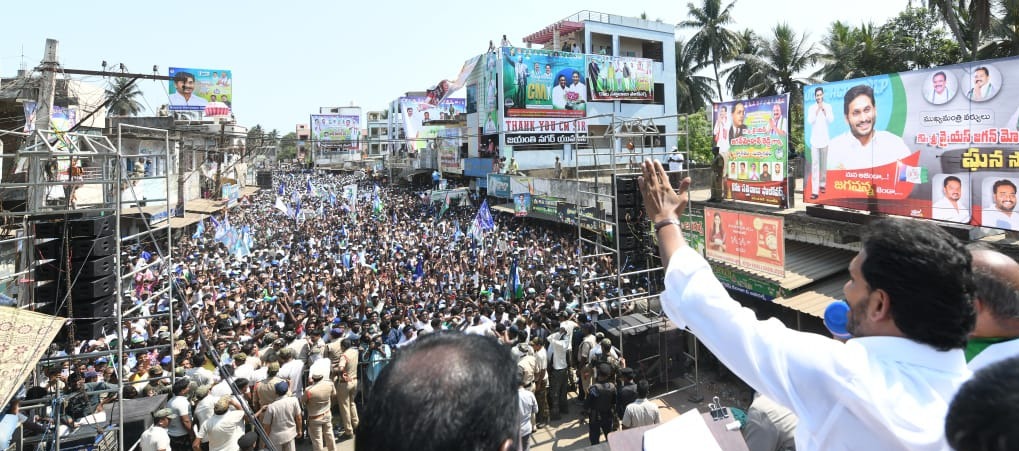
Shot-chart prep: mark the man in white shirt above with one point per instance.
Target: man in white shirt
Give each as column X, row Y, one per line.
column 864, row 147
column 1002, row 215
column 940, row 92
column 951, row 207
column 641, row 412
column 886, row 388
column 819, row 116
column 982, row 88
column 184, row 98
column 224, row 427
column 996, row 335
column 559, row 373
column 155, row 438
column 580, row 89
column 559, row 93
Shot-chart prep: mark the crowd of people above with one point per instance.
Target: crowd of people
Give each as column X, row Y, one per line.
column 334, row 285
column 338, row 295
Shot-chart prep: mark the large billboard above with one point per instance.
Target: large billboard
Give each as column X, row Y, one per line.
column 206, row 90
column 620, row 78
column 417, row 111
column 753, row 137
column 543, row 83
column 749, row 241
column 939, row 143
column 527, row 130
column 336, row 130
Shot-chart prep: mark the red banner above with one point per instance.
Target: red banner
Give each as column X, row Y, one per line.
column 749, row 241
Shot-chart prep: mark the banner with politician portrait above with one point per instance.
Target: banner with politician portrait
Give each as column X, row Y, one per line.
column 620, row 78
column 543, row 83
column 939, row 143
column 207, row 90
column 335, row 131
column 746, row 240
column 417, row 112
column 753, row 139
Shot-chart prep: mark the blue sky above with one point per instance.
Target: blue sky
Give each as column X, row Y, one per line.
column 288, row 58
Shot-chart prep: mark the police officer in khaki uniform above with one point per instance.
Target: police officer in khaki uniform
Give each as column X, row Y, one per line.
column 318, row 400
column 346, row 388
column 264, row 393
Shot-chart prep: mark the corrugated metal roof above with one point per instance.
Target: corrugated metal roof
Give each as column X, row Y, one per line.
column 814, row 300
column 805, row 264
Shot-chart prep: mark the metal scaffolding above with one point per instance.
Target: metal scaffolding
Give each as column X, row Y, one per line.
column 606, row 171
column 58, row 177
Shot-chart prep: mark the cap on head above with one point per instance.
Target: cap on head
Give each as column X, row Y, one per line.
column 164, row 413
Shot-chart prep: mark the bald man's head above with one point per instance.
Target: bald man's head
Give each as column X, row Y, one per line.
column 996, row 277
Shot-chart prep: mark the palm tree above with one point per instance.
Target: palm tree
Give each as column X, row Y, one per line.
column 839, row 53
column 777, row 68
column 124, row 94
column 737, row 77
column 693, row 91
column 712, row 40
column 966, row 19
column 1004, row 33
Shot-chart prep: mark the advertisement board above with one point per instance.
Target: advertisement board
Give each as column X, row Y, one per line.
column 417, row 111
column 749, row 241
column 939, row 143
column 231, row 194
column 693, row 231
column 527, row 130
column 620, row 78
column 521, row 204
column 753, row 137
column 336, row 130
column 545, row 204
column 499, row 185
column 543, row 83
column 206, row 90
column 449, row 150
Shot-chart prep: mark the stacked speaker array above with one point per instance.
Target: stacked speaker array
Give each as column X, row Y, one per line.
column 631, row 226
column 264, row 179
column 85, row 255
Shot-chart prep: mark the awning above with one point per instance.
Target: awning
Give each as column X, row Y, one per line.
column 547, row 34
column 249, row 190
column 188, row 219
column 815, row 299
column 804, row 264
column 147, row 210
column 204, row 205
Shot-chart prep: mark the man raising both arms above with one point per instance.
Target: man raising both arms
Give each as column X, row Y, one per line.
column 910, row 312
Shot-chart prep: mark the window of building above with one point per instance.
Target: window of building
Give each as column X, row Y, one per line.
column 659, row 94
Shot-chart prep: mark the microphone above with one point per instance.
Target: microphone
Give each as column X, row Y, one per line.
column 836, row 318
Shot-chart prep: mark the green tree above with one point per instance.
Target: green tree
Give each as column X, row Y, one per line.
column 698, row 137
column 917, row 39
column 693, row 92
column 287, row 149
column 967, row 20
column 838, row 53
column 712, row 40
column 124, row 94
column 1003, row 39
column 737, row 77
column 254, row 140
column 778, row 67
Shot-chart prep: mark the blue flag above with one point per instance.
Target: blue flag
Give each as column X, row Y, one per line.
column 200, row 231
column 280, row 190
column 419, row 270
column 485, row 215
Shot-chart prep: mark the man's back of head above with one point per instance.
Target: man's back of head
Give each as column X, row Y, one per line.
column 446, row 391
column 926, row 273
column 983, row 414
